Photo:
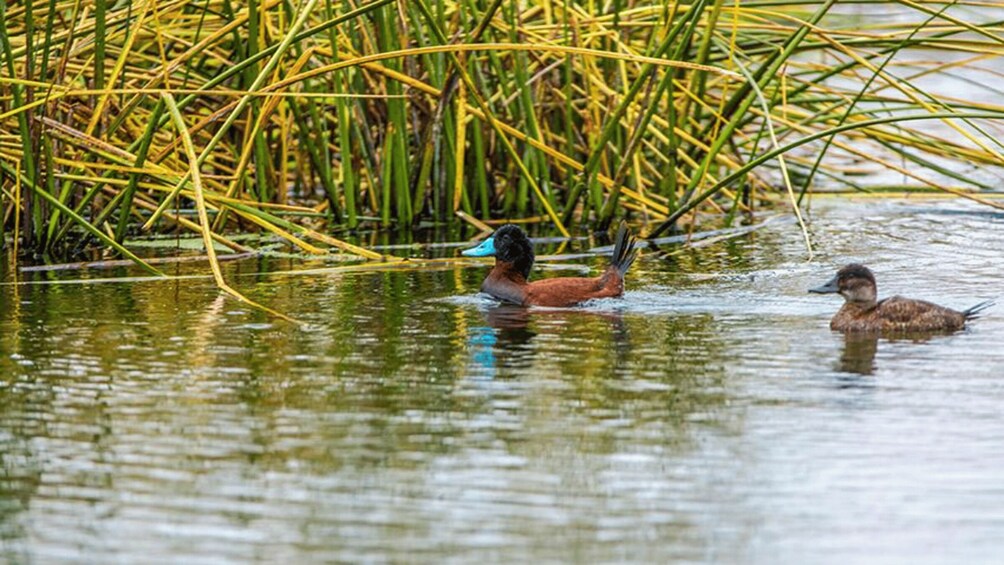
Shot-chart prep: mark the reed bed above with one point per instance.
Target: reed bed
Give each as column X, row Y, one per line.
column 309, row 119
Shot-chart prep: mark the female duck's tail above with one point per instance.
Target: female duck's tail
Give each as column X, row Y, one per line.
column 624, row 251
column 974, row 312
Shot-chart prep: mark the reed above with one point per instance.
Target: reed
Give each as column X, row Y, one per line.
column 309, row 119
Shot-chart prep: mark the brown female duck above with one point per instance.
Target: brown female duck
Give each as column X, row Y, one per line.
column 862, row 312
column 513, row 252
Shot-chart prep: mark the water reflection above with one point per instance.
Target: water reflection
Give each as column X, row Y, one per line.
column 511, row 324
column 504, row 343
column 858, row 355
column 860, row 348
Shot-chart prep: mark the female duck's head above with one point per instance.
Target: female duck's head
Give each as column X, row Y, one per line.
column 508, row 245
column 855, row 283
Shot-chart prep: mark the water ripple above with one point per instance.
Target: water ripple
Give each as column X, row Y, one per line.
column 709, row 415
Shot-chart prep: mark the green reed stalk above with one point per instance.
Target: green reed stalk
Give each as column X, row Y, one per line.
column 480, row 171
column 50, row 18
column 385, row 177
column 321, row 156
column 100, row 13
column 31, row 223
column 348, row 175
column 612, row 123
column 130, row 190
column 606, row 214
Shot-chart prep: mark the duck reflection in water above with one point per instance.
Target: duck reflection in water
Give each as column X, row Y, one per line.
column 506, row 342
column 858, row 355
column 860, row 348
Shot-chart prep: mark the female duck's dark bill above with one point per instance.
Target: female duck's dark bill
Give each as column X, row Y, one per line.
column 486, row 249
column 830, row 287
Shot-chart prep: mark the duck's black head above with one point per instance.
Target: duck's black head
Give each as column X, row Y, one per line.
column 510, row 245
column 855, row 283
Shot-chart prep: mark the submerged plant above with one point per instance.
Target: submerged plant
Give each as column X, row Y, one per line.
column 313, row 117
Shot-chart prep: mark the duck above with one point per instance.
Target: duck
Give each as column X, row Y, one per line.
column 863, row 312
column 508, row 281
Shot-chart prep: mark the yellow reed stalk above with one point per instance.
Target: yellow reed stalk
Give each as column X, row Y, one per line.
column 200, row 204
column 266, row 112
column 460, row 48
column 17, row 206
column 119, row 64
column 256, row 85
column 458, row 175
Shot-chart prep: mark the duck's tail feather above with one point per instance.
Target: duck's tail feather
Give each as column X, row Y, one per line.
column 975, row 311
column 624, row 251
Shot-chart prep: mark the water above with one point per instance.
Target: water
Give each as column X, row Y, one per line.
column 708, row 416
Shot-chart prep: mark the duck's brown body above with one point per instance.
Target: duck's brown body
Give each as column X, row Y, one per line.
column 897, row 314
column 506, row 283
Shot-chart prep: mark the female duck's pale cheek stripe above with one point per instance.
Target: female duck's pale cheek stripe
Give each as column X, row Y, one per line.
column 486, row 249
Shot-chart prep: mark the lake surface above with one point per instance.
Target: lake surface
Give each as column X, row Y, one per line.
column 710, row 415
